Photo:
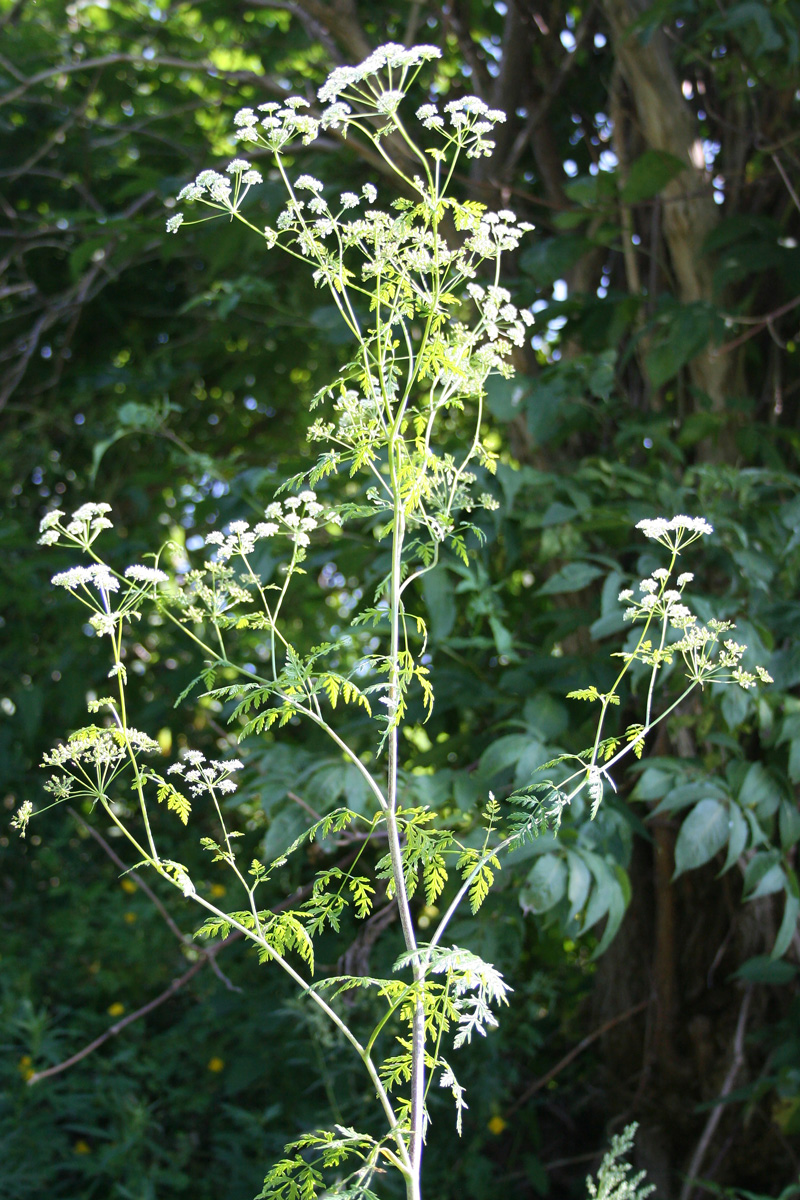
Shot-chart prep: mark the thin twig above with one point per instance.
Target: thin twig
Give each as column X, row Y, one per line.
column 135, row 878
column 737, row 1061
column 207, row 955
column 298, row 800
column 787, row 181
column 110, row 60
column 118, row 1026
column 184, row 938
column 538, row 1084
column 757, row 323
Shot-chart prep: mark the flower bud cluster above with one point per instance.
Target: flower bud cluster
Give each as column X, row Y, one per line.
column 698, row 646
column 98, row 747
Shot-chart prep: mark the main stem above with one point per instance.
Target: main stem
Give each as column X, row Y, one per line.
column 413, row 1184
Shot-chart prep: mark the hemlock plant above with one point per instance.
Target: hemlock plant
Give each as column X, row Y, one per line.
column 417, row 285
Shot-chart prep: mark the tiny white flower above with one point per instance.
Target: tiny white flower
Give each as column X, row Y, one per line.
column 50, row 519
column 174, row 223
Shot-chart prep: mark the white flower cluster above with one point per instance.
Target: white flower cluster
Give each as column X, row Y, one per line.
column 391, row 57
column 218, row 191
column 659, row 600
column 500, row 318
column 494, row 233
column 313, row 220
column 677, row 533
column 203, row 775
column 470, row 120
column 97, row 574
column 279, row 126
column 298, row 516
column 146, row 575
column 80, row 530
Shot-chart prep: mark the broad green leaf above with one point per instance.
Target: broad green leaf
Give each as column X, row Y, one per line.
column 506, row 398
column 794, row 760
column 788, row 824
column 649, row 174
column 735, row 706
column 678, row 334
column 738, row 837
column 437, row 592
column 764, row 875
column 580, row 880
column 759, row 792
column 702, row 835
column 571, row 578
column 533, row 756
column 504, row 753
column 788, row 926
column 616, row 911
column 654, row 782
column 546, row 716
column 686, row 794
column 600, row 898
column 545, row 885
column 764, row 969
